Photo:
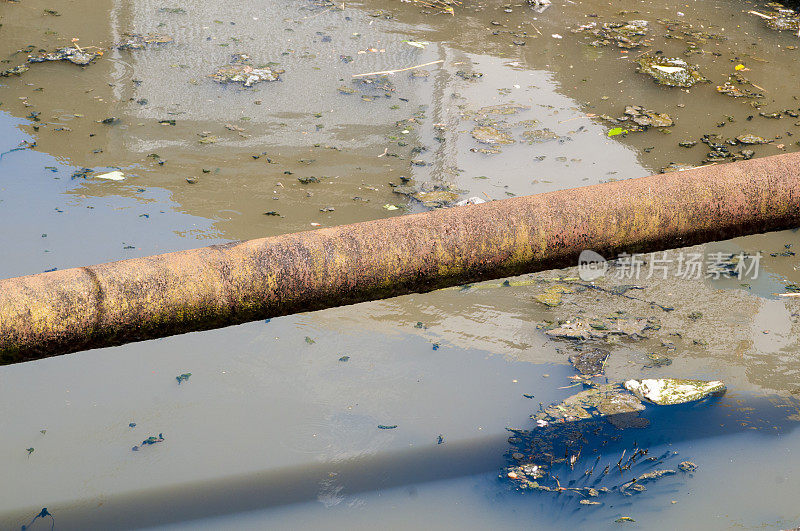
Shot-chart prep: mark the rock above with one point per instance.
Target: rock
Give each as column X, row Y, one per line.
column 671, row 391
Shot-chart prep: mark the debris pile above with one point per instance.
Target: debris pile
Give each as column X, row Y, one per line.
column 631, row 34
column 671, row 72
column 137, row 41
column 241, row 70
column 73, row 54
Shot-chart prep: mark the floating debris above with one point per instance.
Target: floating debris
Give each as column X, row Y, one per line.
column 431, row 195
column 137, row 41
column 538, row 135
column 73, row 54
column 149, row 442
column 446, row 6
column 491, row 135
column 488, row 115
column 672, row 72
column 387, row 427
column 240, row 70
column 729, row 89
column 751, row 139
column 657, row 360
column 552, row 296
column 590, row 362
column 183, row 377
column 677, row 166
column 781, row 18
column 16, row 71
column 603, row 401
column 670, row 391
column 629, row 34
column 582, row 329
column 646, row 118
column 115, row 175
column 44, row 513
column 470, row 201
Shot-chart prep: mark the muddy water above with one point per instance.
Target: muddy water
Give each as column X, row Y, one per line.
column 279, row 421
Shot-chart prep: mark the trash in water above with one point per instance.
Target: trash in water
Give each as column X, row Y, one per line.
column 600, row 329
column 750, row 139
column 183, row 377
column 137, row 41
column 240, row 70
column 646, row 118
column 149, row 441
column 781, row 18
column 657, row 360
column 629, row 34
column 491, row 135
column 552, row 295
column 672, row 72
column 115, row 175
column 73, row 54
column 44, row 513
column 431, row 195
column 589, row 362
column 16, row 71
column 671, row 391
column 470, row 201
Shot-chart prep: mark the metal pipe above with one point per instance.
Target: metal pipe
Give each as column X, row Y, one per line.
column 144, row 298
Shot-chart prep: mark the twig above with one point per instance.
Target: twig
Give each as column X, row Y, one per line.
column 762, row 15
column 398, row 70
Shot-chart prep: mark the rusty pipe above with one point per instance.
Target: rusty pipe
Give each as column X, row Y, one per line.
column 144, row 298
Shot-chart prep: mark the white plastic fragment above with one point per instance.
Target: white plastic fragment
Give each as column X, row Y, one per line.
column 115, row 175
column 470, row 201
column 670, row 391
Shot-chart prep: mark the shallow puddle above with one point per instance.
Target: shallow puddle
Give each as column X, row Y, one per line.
column 391, row 413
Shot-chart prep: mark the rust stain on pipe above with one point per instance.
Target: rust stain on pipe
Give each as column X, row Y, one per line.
column 145, row 298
